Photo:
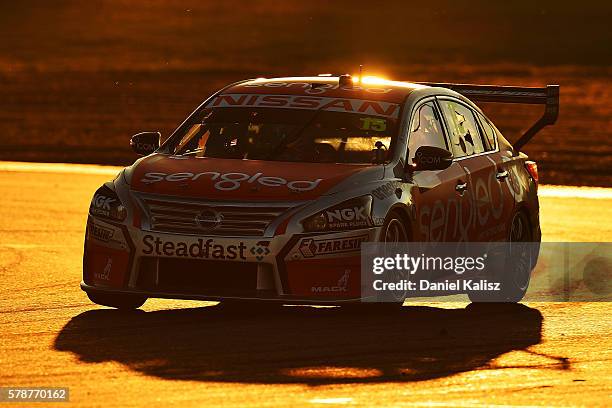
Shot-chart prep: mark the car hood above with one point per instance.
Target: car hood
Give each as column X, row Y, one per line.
column 244, row 180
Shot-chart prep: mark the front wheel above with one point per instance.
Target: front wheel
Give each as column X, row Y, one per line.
column 117, row 300
column 393, row 231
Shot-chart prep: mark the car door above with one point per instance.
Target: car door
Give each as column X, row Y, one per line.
column 439, row 196
column 502, row 195
column 490, row 200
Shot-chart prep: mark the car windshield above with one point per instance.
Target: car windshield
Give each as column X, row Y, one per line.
column 295, row 135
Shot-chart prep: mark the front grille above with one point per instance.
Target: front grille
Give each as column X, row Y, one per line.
column 197, row 218
column 197, row 276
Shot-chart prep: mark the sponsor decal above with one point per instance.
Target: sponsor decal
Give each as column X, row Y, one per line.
column 425, row 159
column 100, row 233
column 204, row 249
column 319, row 88
column 341, row 286
column 378, row 221
column 146, row 147
column 361, row 106
column 458, row 220
column 105, row 273
column 260, row 250
column 101, row 205
column 310, row 247
column 347, row 218
column 232, row 181
column 386, row 190
column 350, row 214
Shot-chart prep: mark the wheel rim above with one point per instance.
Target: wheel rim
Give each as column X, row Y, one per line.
column 518, row 229
column 519, row 233
column 395, row 232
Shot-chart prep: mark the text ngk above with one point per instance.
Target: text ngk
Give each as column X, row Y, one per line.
column 347, row 214
column 103, row 202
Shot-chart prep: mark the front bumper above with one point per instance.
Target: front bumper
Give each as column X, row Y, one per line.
column 302, row 268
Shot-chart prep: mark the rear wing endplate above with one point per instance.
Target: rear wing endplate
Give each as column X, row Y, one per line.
column 548, row 96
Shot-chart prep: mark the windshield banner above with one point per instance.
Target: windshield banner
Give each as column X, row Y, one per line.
column 360, row 106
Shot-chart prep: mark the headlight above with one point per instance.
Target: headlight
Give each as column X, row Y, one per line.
column 105, row 203
column 351, row 214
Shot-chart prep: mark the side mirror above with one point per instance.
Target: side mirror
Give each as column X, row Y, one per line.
column 145, row 143
column 379, row 154
column 432, row 158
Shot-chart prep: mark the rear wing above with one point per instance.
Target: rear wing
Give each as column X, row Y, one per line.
column 548, row 96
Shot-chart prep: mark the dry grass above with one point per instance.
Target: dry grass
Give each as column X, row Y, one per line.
column 78, row 78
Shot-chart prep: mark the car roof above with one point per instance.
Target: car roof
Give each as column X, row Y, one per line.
column 369, row 88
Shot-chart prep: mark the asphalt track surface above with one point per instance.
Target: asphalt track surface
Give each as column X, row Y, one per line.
column 200, row 354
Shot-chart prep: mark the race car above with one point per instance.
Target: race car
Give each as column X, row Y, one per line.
column 269, row 188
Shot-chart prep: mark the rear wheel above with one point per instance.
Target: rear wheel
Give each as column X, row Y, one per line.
column 515, row 279
column 520, row 233
column 117, row 300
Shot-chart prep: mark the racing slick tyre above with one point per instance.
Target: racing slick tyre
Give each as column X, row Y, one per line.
column 393, row 231
column 515, row 279
column 117, row 300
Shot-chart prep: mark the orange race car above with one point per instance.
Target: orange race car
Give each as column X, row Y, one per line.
column 269, row 188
